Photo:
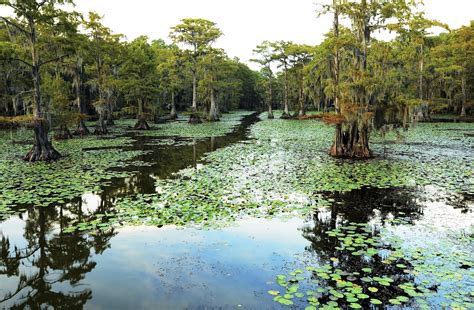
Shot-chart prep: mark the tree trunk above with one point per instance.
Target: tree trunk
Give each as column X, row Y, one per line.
column 360, row 142
column 194, row 118
column 173, row 113
column 110, row 118
column 213, row 111
column 141, row 122
column 422, row 110
column 63, row 133
column 101, row 126
column 301, row 98
column 81, row 129
column 286, row 111
column 353, row 142
column 337, row 149
column 194, row 107
column 270, row 101
column 405, row 117
column 270, row 112
column 42, row 149
column 463, row 88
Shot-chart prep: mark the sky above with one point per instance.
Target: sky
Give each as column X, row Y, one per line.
column 245, row 23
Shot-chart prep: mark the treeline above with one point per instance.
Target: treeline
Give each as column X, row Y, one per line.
column 415, row 74
column 368, row 82
column 59, row 67
column 63, row 67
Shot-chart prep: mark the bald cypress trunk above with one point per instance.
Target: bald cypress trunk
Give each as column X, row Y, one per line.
column 463, row 88
column 301, row 99
column 270, row 112
column 141, row 122
column 286, row 111
column 351, row 142
column 352, row 138
column 173, row 113
column 109, row 115
column 337, row 149
column 406, row 114
column 42, row 149
column 270, row 101
column 101, row 126
column 194, row 117
column 63, row 133
column 81, row 129
column 213, row 111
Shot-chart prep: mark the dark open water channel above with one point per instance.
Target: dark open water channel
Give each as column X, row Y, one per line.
column 170, row 268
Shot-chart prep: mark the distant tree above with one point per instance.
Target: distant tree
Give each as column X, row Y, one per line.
column 264, row 52
column 139, row 78
column 198, row 34
column 103, row 53
column 299, row 56
column 171, row 68
column 454, row 61
column 280, row 54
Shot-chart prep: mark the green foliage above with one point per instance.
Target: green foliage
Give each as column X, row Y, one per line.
column 196, row 33
column 139, row 82
column 207, row 129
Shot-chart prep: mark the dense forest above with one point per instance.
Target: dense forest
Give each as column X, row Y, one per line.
column 161, row 173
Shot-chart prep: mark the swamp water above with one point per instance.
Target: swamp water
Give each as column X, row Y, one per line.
column 266, row 220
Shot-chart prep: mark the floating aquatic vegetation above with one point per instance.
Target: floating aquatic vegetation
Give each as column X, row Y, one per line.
column 182, row 128
column 84, row 168
column 372, row 266
column 283, row 170
column 171, row 142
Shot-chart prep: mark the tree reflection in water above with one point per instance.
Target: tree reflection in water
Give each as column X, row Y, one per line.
column 361, row 206
column 49, row 269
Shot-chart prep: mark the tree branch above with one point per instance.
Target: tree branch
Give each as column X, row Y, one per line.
column 41, row 3
column 53, row 60
column 9, row 22
column 17, row 59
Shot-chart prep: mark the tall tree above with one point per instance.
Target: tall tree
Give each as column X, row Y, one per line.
column 300, row 55
column 357, row 98
column 198, row 34
column 264, row 51
column 139, row 78
column 171, row 68
column 280, row 54
column 30, row 16
column 102, row 68
column 454, row 61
